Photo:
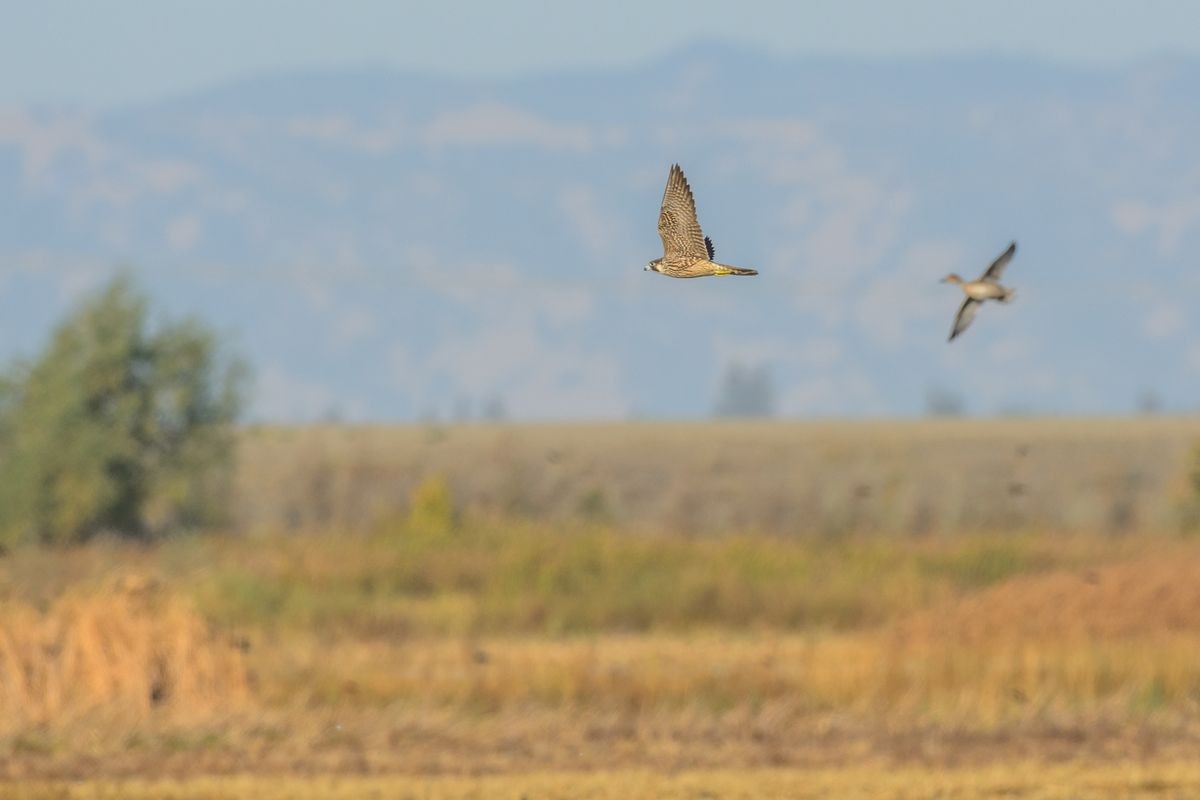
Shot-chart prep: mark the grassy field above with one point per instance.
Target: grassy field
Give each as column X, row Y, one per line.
column 484, row 647
column 553, row 653
column 1028, row 782
column 830, row 478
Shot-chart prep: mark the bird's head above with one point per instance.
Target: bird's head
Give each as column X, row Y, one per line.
column 952, row 278
column 652, row 266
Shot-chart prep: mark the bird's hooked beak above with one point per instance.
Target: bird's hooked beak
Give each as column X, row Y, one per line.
column 649, row 268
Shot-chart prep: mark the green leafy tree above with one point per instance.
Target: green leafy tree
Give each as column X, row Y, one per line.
column 117, row 427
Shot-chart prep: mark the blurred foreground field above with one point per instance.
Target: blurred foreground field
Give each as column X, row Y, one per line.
column 1031, row 782
column 591, row 647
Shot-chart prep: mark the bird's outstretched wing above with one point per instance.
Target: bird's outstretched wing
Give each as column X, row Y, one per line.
column 996, row 270
column 677, row 223
column 966, row 314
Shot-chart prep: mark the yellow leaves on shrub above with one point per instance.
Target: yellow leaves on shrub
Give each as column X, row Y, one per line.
column 431, row 507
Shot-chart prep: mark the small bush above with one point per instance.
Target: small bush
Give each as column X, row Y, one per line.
column 432, row 507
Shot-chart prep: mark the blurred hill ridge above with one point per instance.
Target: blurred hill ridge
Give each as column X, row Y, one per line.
column 390, row 245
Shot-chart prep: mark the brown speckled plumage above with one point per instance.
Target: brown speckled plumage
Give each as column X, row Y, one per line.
column 687, row 252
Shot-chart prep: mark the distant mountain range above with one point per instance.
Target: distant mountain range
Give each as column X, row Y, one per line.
column 384, row 245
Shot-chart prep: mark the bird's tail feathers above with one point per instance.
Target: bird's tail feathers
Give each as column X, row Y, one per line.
column 725, row 269
column 1008, row 296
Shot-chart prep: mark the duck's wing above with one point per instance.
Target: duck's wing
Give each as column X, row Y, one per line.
column 996, row 270
column 966, row 315
column 677, row 224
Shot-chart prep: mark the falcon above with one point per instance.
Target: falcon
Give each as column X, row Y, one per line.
column 687, row 252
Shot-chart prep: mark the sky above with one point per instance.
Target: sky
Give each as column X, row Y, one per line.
column 324, row 236
column 93, row 54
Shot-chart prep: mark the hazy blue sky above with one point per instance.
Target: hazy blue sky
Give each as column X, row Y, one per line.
column 117, row 51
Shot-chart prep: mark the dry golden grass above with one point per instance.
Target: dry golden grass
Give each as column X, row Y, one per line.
column 985, row 668
column 548, row 606
column 878, row 674
column 130, row 649
column 1154, row 595
column 1173, row 781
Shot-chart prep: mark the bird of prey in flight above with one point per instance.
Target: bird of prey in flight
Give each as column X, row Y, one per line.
column 687, row 252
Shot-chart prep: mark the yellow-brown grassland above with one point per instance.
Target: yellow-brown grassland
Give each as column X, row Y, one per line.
column 953, row 609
